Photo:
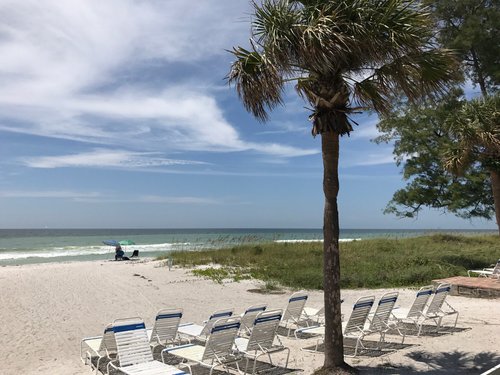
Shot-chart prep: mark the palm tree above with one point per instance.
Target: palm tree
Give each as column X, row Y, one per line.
column 344, row 56
column 475, row 129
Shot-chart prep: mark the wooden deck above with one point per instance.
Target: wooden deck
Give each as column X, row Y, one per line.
column 480, row 287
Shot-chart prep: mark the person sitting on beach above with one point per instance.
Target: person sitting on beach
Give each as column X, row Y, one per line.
column 119, row 253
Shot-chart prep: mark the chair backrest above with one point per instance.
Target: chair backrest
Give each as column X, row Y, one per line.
column 248, row 317
column 166, row 325
column 496, row 269
column 359, row 314
column 227, row 313
column 296, row 304
column 221, row 339
column 421, row 299
column 383, row 311
column 108, row 342
column 132, row 341
column 135, row 253
column 437, row 301
column 264, row 330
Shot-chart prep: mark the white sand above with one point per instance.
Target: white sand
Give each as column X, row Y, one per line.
column 46, row 309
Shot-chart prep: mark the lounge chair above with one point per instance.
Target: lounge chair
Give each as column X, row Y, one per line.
column 218, row 349
column 487, row 272
column 262, row 338
column 316, row 315
column 248, row 318
column 438, row 307
column 353, row 328
column 380, row 321
column 415, row 313
column 98, row 346
column 164, row 331
column 133, row 351
column 200, row 332
column 293, row 312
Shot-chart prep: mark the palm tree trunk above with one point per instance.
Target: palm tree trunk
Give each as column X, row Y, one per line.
column 334, row 347
column 495, row 186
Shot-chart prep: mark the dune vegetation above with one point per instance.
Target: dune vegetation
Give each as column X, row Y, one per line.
column 372, row 263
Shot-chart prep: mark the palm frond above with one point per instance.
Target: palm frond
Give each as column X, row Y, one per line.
column 258, row 82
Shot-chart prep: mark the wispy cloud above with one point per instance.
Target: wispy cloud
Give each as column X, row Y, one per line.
column 177, row 200
column 59, row 194
column 105, row 158
column 75, row 70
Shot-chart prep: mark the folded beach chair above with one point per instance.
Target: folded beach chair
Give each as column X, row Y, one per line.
column 438, row 307
column 248, row 318
column 98, row 346
column 262, row 339
column 200, row 332
column 415, row 314
column 218, row 349
column 293, row 312
column 487, row 272
column 134, row 353
column 353, row 328
column 164, row 331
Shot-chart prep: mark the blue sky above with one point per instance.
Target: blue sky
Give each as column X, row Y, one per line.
column 117, row 114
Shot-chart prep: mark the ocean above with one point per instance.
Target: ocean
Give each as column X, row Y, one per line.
column 22, row 246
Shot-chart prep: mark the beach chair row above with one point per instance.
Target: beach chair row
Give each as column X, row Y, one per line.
column 127, row 344
column 429, row 305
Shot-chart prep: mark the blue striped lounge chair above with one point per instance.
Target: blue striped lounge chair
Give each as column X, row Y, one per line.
column 293, row 312
column 262, row 339
column 353, row 328
column 134, row 356
column 380, row 321
column 218, row 349
column 98, row 346
column 248, row 318
column 200, row 332
column 438, row 307
column 415, row 314
column 164, row 331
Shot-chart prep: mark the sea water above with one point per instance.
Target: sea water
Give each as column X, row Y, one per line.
column 21, row 246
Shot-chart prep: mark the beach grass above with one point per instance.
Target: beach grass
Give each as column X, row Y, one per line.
column 371, row 263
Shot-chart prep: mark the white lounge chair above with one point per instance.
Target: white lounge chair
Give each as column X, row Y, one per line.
column 294, row 309
column 487, row 272
column 353, row 328
column 438, row 307
column 262, row 338
column 380, row 322
column 316, row 315
column 164, row 331
column 415, row 314
column 200, row 332
column 134, row 353
column 218, row 349
column 98, row 346
column 248, row 318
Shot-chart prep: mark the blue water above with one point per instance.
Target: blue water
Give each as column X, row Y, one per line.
column 20, row 246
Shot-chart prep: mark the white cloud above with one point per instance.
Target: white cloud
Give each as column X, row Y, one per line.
column 74, row 70
column 59, row 194
column 177, row 200
column 105, row 158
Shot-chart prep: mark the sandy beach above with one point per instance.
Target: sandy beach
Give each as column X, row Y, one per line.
column 46, row 309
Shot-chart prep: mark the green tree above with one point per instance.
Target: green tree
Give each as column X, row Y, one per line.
column 422, row 138
column 344, row 56
column 475, row 130
column 472, row 27
column 424, row 134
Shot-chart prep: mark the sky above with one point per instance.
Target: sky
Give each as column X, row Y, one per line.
column 117, row 114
